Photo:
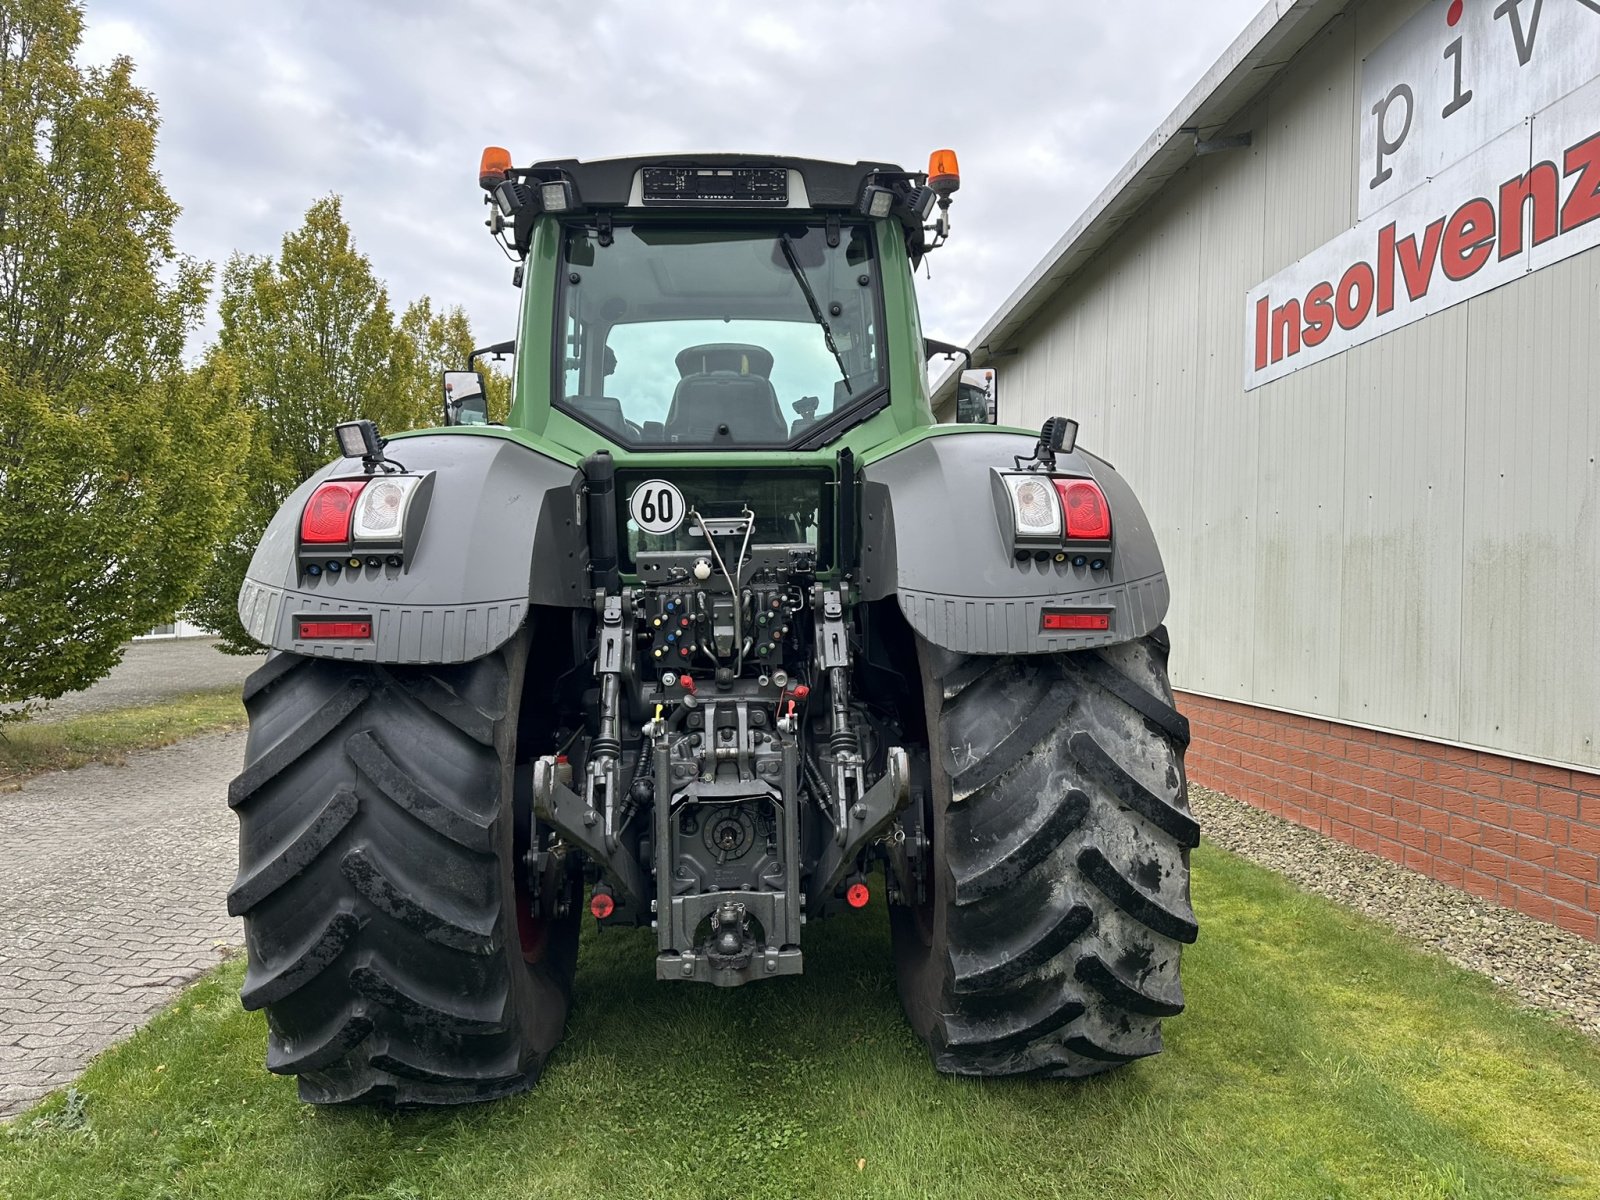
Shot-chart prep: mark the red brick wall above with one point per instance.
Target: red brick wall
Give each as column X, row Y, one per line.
column 1519, row 833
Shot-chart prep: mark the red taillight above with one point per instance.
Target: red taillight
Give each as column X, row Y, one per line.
column 326, row 518
column 1057, row 621
column 602, row 905
column 1088, row 514
column 313, row 630
column 857, row 895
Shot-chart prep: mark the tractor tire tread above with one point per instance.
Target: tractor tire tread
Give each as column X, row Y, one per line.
column 1052, row 943
column 376, row 886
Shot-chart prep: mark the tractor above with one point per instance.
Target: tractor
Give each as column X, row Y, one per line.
column 719, row 632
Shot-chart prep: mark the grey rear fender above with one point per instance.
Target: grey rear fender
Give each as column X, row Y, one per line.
column 500, row 533
column 934, row 536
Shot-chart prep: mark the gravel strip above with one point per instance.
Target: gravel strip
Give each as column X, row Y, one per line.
column 1545, row 967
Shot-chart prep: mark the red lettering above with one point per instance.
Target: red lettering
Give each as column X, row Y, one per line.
column 1262, row 314
column 1386, row 268
column 1319, row 314
column 1541, row 185
column 1468, row 239
column 1583, row 205
column 1286, row 321
column 1354, row 299
column 1417, row 265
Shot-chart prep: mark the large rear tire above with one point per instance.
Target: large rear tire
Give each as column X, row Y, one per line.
column 378, row 881
column 1051, row 941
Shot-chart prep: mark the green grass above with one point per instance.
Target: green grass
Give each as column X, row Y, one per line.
column 28, row 748
column 1319, row 1057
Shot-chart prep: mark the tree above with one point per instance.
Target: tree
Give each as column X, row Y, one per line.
column 435, row 342
column 315, row 342
column 115, row 461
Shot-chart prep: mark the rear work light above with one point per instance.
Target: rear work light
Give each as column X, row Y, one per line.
column 310, row 629
column 1088, row 514
column 326, row 519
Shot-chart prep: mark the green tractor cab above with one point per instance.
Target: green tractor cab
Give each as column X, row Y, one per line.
column 719, row 634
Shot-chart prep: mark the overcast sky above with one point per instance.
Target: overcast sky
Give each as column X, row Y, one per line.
column 267, row 106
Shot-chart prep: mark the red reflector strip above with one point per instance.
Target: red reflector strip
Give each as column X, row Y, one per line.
column 316, row 630
column 1055, row 620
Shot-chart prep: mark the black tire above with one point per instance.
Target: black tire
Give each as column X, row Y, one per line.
column 1061, row 831
column 378, row 868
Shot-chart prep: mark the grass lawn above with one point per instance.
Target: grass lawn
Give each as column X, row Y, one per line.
column 27, row 748
column 1319, row 1057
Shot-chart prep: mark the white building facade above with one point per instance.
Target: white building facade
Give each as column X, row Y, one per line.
column 1338, row 323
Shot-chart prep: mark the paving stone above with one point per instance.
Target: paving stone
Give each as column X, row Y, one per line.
column 112, row 896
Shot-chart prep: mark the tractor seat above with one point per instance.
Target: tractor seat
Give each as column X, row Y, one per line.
column 742, row 358
column 604, row 411
column 705, row 401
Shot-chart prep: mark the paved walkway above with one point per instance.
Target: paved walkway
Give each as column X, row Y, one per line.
column 151, row 672
column 112, row 886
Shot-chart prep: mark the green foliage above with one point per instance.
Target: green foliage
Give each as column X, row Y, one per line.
column 115, row 461
column 315, row 342
column 434, row 342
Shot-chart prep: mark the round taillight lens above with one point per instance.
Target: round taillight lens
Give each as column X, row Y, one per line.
column 1036, row 507
column 381, row 507
column 326, row 518
column 1088, row 516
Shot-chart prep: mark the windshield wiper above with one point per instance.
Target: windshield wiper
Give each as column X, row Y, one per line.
column 799, row 274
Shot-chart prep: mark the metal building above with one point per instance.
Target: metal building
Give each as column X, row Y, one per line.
column 1338, row 322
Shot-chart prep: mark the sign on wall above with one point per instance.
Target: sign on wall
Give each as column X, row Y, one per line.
column 1480, row 162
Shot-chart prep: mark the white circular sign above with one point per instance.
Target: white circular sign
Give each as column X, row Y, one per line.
column 656, row 506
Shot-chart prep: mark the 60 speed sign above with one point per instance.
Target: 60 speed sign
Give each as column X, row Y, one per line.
column 656, row 506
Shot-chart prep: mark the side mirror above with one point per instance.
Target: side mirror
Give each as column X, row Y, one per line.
column 466, row 398
column 978, row 403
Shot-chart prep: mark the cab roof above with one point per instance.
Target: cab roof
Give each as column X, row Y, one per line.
column 608, row 182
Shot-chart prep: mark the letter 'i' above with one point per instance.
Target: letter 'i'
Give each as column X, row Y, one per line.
column 1461, row 98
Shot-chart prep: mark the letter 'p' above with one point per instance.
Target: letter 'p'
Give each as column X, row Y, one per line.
column 1387, row 146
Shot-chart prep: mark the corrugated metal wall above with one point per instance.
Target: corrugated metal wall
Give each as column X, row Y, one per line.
column 1405, row 536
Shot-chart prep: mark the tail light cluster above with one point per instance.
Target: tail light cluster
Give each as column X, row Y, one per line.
column 371, row 521
column 1056, row 515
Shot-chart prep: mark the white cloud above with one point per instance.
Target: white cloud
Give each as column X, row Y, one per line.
column 105, row 40
column 388, row 102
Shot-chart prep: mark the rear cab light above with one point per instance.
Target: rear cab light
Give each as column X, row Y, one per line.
column 1088, row 516
column 372, row 521
column 1035, row 510
column 1053, row 513
column 380, row 512
column 325, row 521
